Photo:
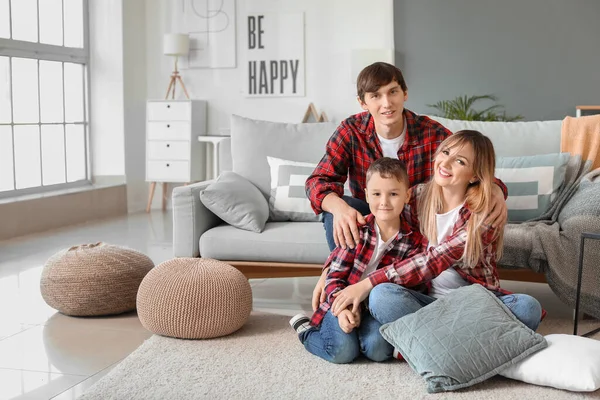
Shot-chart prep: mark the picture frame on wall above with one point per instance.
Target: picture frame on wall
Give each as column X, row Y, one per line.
column 211, row 26
column 274, row 55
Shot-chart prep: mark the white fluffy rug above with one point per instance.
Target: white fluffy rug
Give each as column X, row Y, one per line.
column 265, row 360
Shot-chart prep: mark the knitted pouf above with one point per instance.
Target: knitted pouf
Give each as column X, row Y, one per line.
column 94, row 279
column 194, row 298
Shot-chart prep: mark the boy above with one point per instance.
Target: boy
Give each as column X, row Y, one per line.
column 390, row 232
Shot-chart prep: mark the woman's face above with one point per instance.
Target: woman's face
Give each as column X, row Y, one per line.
column 454, row 166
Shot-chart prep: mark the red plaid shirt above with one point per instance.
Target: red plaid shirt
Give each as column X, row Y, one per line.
column 346, row 267
column 425, row 266
column 354, row 146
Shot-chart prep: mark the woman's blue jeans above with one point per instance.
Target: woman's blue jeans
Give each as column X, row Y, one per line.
column 332, row 344
column 389, row 302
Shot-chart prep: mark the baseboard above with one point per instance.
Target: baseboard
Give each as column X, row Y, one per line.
column 52, row 211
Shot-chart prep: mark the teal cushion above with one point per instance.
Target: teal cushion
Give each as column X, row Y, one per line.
column 532, row 182
column 462, row 339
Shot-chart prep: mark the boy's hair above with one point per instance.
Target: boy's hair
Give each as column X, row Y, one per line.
column 389, row 168
column 478, row 196
column 376, row 75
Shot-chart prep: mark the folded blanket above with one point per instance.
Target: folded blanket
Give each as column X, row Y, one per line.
column 582, row 136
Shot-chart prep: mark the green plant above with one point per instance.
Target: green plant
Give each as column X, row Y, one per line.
column 462, row 108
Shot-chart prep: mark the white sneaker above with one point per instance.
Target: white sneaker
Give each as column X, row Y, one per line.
column 300, row 323
column 396, row 354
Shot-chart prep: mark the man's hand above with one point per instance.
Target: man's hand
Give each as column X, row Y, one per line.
column 348, row 321
column 345, row 227
column 498, row 215
column 318, row 295
column 352, row 295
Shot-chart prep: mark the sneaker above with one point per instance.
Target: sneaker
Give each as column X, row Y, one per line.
column 396, row 354
column 300, row 323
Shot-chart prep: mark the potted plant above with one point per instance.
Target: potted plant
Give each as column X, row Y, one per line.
column 461, row 108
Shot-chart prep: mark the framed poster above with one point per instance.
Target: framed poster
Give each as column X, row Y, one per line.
column 211, row 27
column 275, row 54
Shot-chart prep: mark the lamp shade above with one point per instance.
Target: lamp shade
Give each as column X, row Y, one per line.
column 176, row 44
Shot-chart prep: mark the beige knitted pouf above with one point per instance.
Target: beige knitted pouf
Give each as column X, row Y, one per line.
column 94, row 279
column 194, row 298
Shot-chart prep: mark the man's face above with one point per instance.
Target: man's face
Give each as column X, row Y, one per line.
column 386, row 104
column 386, row 197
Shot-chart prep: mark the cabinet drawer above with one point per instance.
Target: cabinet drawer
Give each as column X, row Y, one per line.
column 166, row 150
column 169, row 111
column 169, row 130
column 168, row 171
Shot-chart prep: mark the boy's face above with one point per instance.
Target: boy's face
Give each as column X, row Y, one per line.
column 386, row 197
column 386, row 104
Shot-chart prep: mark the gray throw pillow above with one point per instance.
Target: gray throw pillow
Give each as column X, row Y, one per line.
column 236, row 201
column 462, row 339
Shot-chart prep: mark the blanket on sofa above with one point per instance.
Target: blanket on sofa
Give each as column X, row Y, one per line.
column 550, row 243
column 582, row 136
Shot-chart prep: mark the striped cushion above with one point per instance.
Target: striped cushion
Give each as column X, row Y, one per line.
column 532, row 182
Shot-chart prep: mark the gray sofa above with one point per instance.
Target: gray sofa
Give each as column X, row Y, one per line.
column 299, row 248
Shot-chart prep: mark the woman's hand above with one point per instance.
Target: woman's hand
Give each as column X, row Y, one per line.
column 498, row 215
column 351, row 295
column 318, row 295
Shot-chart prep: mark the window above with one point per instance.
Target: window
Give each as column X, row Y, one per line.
column 43, row 95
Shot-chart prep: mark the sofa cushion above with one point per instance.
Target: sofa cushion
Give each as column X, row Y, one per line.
column 512, row 139
column 532, row 182
column 252, row 141
column 462, row 339
column 287, row 242
column 288, row 201
column 237, row 202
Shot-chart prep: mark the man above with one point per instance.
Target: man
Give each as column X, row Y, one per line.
column 387, row 129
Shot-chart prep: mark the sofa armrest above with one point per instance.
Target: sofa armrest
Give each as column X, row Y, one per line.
column 190, row 219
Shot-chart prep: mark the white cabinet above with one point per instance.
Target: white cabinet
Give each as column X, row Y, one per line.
column 173, row 152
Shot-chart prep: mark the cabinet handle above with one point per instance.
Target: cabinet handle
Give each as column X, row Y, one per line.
column 167, row 165
column 168, row 145
column 168, row 125
column 168, row 106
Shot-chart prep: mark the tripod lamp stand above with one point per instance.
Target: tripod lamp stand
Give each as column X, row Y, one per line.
column 176, row 44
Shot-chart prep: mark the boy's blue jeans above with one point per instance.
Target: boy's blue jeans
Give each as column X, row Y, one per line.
column 389, row 302
column 331, row 343
column 359, row 205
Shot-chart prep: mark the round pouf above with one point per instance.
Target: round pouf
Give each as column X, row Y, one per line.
column 194, row 298
column 94, row 279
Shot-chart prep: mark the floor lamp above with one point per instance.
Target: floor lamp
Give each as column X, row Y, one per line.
column 176, row 44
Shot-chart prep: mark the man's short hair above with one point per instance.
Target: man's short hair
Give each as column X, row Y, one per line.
column 389, row 168
column 376, row 75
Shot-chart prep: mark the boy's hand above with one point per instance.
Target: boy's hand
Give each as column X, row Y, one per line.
column 318, row 295
column 352, row 295
column 347, row 320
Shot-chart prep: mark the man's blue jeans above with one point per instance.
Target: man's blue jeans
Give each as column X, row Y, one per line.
column 389, row 302
column 359, row 205
column 329, row 342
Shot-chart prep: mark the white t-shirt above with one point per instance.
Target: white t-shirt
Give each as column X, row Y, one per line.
column 378, row 253
column 448, row 280
column 390, row 147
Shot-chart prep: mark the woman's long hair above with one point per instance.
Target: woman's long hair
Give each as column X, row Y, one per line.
column 478, row 196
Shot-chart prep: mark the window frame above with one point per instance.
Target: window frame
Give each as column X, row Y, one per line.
column 46, row 52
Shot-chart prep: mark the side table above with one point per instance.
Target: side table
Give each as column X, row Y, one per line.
column 584, row 236
column 215, row 141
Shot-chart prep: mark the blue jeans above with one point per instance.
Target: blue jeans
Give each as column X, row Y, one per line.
column 388, row 302
column 329, row 342
column 359, row 205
